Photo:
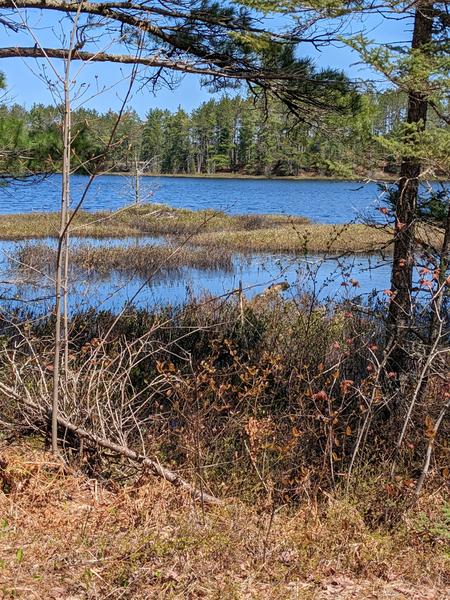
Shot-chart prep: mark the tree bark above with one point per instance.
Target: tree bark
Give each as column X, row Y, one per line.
column 62, row 265
column 401, row 306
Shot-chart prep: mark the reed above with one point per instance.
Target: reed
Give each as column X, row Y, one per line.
column 142, row 260
column 301, row 238
column 154, row 220
column 215, row 229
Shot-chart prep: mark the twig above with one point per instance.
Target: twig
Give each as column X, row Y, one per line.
column 426, row 465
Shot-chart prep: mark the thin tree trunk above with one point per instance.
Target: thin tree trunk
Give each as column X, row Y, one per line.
column 62, row 257
column 400, row 309
column 137, row 181
column 65, row 282
column 61, row 266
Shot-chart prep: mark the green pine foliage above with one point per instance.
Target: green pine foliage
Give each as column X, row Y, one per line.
column 232, row 135
column 245, row 136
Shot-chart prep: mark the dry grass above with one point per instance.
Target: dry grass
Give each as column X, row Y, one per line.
column 271, row 233
column 152, row 219
column 301, row 238
column 64, row 536
column 245, row 233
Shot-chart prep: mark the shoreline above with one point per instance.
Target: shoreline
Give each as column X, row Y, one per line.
column 382, row 178
column 245, row 177
column 363, row 180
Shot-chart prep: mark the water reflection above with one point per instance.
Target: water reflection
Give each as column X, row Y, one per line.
column 330, row 279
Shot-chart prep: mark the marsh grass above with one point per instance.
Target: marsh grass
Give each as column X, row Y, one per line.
column 150, row 219
column 215, row 229
column 245, row 233
column 143, row 260
column 301, row 238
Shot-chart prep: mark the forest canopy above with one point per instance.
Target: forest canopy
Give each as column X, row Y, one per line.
column 223, row 135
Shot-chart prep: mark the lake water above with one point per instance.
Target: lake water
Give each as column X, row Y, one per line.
column 333, row 279
column 321, row 201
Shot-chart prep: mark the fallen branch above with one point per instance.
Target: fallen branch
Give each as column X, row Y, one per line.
column 155, row 467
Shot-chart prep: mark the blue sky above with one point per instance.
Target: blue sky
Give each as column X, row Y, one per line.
column 25, row 88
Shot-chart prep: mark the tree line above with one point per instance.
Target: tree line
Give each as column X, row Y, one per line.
column 227, row 135
column 239, row 135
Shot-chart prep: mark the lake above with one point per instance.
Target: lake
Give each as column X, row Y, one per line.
column 323, row 201
column 331, row 279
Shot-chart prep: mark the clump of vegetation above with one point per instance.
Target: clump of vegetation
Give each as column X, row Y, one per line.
column 132, row 221
column 301, row 238
column 262, row 398
column 215, row 229
column 146, row 261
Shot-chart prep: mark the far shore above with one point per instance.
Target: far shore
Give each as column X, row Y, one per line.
column 378, row 177
column 303, row 177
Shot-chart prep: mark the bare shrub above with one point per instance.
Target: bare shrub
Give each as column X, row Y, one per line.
column 286, row 402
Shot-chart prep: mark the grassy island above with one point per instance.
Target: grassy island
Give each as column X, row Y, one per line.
column 244, row 233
